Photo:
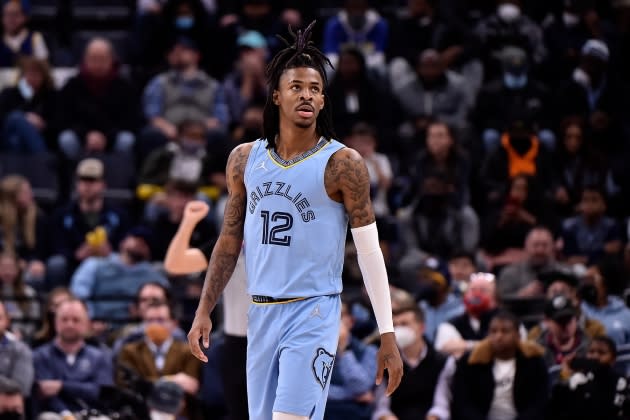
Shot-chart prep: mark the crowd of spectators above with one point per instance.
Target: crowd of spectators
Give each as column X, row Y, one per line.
column 496, row 135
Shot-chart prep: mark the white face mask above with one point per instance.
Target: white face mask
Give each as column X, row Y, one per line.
column 405, row 336
column 581, row 77
column 25, row 89
column 570, row 20
column 508, row 12
column 158, row 415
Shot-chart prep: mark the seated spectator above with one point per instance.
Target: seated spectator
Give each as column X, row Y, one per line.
column 421, row 366
column 596, row 95
column 165, row 400
column 502, row 377
column 47, row 331
column 443, row 153
column 67, row 369
column 562, row 336
column 357, row 24
column 246, row 84
column 576, row 165
column 590, row 386
column 592, row 235
column 16, row 359
column 98, row 109
column 515, row 95
column 565, row 283
column 461, row 265
column 509, row 221
column 461, row 333
column 27, row 110
column 85, row 214
column 185, row 159
column 430, row 93
column 11, row 400
column 520, row 153
column 20, row 300
column 364, row 139
column 24, row 226
column 508, row 26
column 357, row 96
column 434, row 225
column 599, row 286
column 110, row 284
column 148, row 294
column 352, row 386
column 439, row 302
column 159, row 355
column 17, row 39
column 520, row 279
column 184, row 92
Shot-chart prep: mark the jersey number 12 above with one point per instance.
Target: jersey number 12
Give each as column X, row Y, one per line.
column 283, row 222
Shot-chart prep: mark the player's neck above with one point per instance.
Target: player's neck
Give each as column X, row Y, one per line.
column 292, row 141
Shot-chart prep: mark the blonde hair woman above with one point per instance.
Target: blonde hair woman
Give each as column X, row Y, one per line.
column 22, row 223
column 20, row 300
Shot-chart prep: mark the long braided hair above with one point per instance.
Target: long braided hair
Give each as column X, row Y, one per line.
column 302, row 53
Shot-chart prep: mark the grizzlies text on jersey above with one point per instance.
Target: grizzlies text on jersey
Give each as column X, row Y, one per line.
column 294, row 232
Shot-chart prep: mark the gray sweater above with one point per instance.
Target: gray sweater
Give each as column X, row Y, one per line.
column 16, row 363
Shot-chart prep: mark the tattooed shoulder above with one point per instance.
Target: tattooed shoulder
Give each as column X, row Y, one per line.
column 237, row 162
column 347, row 180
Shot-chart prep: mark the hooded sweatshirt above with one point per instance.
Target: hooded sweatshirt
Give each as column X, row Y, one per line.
column 615, row 316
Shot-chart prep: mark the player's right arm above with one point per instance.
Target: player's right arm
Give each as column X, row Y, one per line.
column 226, row 250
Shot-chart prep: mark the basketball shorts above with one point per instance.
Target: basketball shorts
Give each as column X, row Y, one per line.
column 290, row 355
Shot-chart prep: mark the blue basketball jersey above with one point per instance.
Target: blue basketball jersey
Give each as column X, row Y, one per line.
column 294, row 232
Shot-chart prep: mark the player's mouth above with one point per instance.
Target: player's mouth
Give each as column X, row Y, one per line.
column 305, row 111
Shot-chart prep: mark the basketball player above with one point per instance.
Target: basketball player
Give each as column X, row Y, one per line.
column 291, row 195
column 181, row 259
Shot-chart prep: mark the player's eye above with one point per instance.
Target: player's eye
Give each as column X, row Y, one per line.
column 295, row 88
column 315, row 89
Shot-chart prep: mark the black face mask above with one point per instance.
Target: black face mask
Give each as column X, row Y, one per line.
column 588, row 293
column 433, row 204
column 135, row 256
column 11, row 415
column 357, row 21
column 428, row 292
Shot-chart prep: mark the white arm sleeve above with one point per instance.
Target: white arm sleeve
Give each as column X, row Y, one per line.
column 372, row 265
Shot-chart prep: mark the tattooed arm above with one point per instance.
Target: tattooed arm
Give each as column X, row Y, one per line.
column 226, row 250
column 347, row 180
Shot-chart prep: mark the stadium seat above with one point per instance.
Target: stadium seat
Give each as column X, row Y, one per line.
column 40, row 170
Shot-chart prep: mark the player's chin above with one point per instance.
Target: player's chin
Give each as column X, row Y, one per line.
column 305, row 122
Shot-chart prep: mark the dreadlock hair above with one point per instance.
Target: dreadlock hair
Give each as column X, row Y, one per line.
column 302, row 53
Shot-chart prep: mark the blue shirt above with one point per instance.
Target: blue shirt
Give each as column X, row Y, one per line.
column 81, row 380
column 294, row 232
column 582, row 239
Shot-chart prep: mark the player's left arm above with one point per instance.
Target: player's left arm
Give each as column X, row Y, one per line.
column 348, row 181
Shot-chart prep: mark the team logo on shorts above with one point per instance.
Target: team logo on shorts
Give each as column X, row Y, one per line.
column 322, row 366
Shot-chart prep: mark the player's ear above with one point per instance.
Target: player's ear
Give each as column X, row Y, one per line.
column 274, row 96
column 323, row 102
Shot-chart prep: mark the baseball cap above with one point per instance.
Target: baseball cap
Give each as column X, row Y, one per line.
column 251, row 39
column 564, row 275
column 90, row 168
column 166, row 397
column 596, row 48
column 186, row 42
column 560, row 309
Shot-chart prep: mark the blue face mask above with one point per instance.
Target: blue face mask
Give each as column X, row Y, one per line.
column 513, row 81
column 184, row 22
column 25, row 89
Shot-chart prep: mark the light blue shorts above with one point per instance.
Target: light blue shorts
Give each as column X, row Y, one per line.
column 290, row 355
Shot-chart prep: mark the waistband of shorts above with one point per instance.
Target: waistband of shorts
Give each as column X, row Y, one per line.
column 268, row 300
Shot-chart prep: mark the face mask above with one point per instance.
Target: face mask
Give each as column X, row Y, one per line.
column 513, row 81
column 157, row 415
column 405, row 336
column 508, row 12
column 570, row 20
column 184, row 22
column 191, row 147
column 25, row 89
column 356, row 22
column 135, row 257
column 581, row 77
column 588, row 293
column 157, row 333
column 476, row 303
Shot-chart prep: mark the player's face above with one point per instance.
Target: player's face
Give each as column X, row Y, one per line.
column 300, row 96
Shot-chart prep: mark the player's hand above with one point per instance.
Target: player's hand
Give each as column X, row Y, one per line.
column 388, row 357
column 200, row 329
column 195, row 211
